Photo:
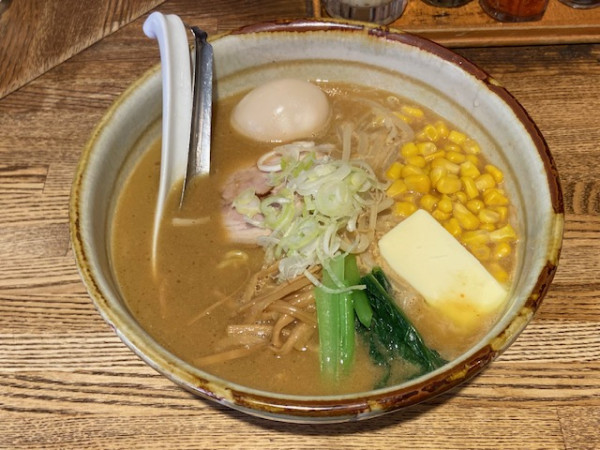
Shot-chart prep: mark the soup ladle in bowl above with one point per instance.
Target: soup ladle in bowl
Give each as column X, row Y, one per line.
column 187, row 108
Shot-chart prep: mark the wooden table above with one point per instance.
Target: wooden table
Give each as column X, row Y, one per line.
column 67, row 381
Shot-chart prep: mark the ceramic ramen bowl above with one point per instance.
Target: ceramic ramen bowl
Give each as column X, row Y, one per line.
column 329, row 50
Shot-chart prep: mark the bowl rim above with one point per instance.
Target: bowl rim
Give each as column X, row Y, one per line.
column 335, row 408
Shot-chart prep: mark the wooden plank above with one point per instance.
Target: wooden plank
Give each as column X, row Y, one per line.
column 36, row 36
column 417, row 429
column 153, row 420
column 580, row 426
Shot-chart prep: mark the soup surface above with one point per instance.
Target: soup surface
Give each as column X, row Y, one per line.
column 193, row 302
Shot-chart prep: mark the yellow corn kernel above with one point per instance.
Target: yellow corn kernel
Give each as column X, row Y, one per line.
column 503, row 211
column 430, row 157
column 466, row 218
column 455, row 157
column 495, row 172
column 443, row 162
column 504, row 234
column 426, row 148
column 421, row 136
column 417, row 161
column 485, row 181
column 430, row 133
column 404, row 209
column 501, row 250
column 409, row 170
column 448, row 184
column 445, row 204
column 436, row 174
column 470, row 187
column 488, row 216
column 441, row 128
column 494, row 197
column 428, row 202
column 396, row 188
column 476, row 237
column 475, row 205
column 487, row 227
column 409, row 149
column 498, row 272
column 473, row 158
column 468, row 169
column 450, row 147
column 395, row 171
column 402, row 117
column 456, row 137
column 453, row 227
column 481, row 252
column 471, row 147
column 461, row 197
column 418, row 183
column 440, row 216
column 412, row 111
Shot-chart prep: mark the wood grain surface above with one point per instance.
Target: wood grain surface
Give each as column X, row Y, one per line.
column 68, row 382
column 37, row 35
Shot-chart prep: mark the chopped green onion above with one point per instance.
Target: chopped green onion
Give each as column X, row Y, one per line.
column 315, row 201
column 247, row 203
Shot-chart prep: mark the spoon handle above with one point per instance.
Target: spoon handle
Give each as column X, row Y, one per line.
column 199, row 151
column 170, row 32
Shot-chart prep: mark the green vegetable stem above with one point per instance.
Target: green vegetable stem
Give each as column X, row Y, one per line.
column 338, row 301
column 335, row 317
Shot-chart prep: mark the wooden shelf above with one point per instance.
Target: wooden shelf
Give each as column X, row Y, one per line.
column 469, row 26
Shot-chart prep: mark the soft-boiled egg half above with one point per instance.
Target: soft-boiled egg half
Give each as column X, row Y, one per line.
column 282, row 110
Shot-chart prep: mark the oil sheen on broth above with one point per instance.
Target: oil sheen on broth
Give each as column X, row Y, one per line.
column 202, row 273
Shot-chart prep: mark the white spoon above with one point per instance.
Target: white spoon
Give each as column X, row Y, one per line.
column 186, row 116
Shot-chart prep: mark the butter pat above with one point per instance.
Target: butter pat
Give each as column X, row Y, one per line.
column 444, row 272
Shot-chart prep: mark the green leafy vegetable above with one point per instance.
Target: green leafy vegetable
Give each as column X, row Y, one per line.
column 362, row 308
column 391, row 335
column 338, row 299
column 386, row 330
column 335, row 317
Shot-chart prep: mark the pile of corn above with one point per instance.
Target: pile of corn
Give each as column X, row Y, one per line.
column 442, row 171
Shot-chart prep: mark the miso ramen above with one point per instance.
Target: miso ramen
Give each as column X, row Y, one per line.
column 289, row 269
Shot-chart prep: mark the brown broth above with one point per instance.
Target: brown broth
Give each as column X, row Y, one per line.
column 172, row 307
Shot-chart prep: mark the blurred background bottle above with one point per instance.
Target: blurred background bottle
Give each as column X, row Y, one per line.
column 381, row 12
column 515, row 10
column 446, row 3
column 581, row 4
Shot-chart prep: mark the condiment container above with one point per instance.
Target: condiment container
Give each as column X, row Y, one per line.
column 377, row 11
column 581, row 4
column 514, row 10
column 446, row 3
